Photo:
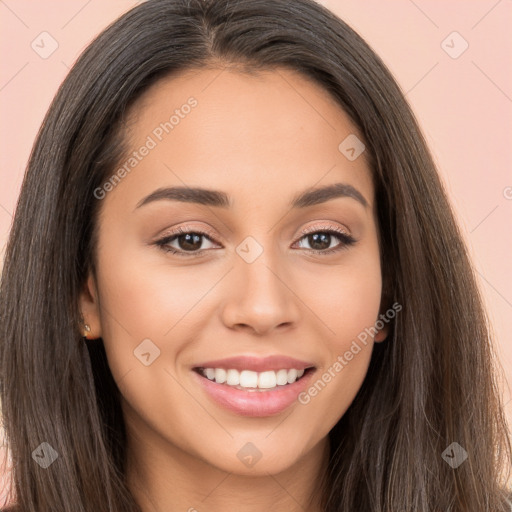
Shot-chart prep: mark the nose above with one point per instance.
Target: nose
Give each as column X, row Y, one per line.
column 260, row 297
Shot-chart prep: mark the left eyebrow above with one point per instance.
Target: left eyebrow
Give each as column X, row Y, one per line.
column 217, row 198
column 314, row 196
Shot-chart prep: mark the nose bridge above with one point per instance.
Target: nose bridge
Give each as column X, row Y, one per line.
column 257, row 264
column 261, row 298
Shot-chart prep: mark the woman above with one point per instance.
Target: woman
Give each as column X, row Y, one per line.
column 234, row 281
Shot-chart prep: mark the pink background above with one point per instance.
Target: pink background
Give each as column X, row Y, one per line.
column 463, row 104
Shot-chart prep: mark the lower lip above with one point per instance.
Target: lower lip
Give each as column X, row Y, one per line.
column 255, row 403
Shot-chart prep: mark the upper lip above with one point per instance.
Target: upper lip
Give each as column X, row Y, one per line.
column 256, row 364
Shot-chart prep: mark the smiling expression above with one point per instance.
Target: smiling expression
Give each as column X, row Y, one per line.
column 217, row 244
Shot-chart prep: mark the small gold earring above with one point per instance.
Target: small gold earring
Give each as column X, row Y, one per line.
column 87, row 329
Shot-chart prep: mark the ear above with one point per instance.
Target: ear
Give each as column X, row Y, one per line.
column 89, row 306
column 382, row 334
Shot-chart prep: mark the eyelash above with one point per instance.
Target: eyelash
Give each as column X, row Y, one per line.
column 346, row 240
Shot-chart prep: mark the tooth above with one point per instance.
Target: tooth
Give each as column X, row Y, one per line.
column 249, row 379
column 267, row 380
column 233, row 378
column 282, row 377
column 220, row 375
column 292, row 376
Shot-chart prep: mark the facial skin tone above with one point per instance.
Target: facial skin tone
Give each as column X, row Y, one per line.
column 262, row 140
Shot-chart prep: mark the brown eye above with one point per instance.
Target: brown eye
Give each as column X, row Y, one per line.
column 186, row 243
column 321, row 239
column 189, row 241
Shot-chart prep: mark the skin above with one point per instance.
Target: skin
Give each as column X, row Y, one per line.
column 262, row 139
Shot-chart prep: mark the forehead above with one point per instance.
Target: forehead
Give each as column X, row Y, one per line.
column 272, row 131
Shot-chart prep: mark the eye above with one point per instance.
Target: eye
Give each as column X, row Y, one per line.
column 320, row 238
column 189, row 242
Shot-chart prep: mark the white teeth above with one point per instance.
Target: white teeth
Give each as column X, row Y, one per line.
column 249, row 379
column 292, row 376
column 233, row 378
column 267, row 380
column 282, row 377
column 220, row 375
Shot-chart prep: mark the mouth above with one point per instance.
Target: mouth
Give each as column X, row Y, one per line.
column 252, row 381
column 253, row 394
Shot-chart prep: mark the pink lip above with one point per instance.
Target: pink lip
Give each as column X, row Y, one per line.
column 254, row 403
column 256, row 364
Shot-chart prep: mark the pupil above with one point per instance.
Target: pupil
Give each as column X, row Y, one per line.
column 194, row 244
column 324, row 239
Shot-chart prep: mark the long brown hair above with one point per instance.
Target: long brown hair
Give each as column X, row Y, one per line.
column 432, row 383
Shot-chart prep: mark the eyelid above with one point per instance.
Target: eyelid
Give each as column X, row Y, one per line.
column 173, row 232
column 190, row 228
column 315, row 228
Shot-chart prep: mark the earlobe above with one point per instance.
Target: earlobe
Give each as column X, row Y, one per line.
column 382, row 334
column 89, row 307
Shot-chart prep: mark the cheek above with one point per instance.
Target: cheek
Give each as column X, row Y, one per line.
column 344, row 298
column 357, row 304
column 350, row 312
column 143, row 295
column 144, row 301
column 143, row 298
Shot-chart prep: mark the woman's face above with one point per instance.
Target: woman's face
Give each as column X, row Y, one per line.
column 253, row 288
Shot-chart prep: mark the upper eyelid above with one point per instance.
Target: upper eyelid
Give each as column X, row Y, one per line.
column 209, row 234
column 326, row 226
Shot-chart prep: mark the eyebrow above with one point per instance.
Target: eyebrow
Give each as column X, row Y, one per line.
column 217, row 198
